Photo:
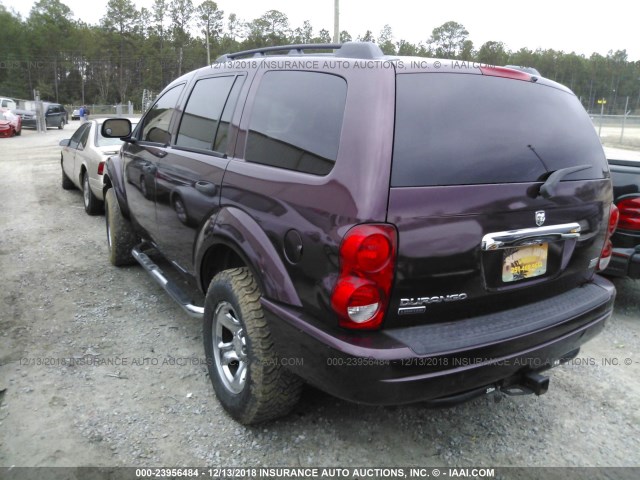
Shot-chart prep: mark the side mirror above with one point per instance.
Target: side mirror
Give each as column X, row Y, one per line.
column 116, row 128
column 65, row 142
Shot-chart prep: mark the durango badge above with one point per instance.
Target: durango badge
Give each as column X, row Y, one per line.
column 418, row 305
column 540, row 218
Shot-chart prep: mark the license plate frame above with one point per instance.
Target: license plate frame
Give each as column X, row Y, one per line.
column 525, row 262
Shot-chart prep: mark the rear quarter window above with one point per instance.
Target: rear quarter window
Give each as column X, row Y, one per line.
column 457, row 129
column 296, row 121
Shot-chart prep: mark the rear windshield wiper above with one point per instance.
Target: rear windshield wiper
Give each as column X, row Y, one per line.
column 548, row 188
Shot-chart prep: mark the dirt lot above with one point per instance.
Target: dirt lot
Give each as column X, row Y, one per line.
column 99, row 368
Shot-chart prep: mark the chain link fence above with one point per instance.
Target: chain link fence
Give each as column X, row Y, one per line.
column 618, row 130
column 108, row 110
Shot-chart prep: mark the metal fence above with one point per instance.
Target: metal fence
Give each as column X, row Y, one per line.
column 109, row 110
column 95, row 110
column 623, row 130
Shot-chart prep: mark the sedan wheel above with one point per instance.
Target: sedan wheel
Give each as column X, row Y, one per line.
column 92, row 205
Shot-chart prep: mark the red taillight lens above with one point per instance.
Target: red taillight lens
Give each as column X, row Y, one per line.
column 614, row 216
column 629, row 213
column 367, row 262
column 607, row 250
column 100, row 168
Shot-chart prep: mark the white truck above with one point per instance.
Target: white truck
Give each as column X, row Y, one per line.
column 8, row 103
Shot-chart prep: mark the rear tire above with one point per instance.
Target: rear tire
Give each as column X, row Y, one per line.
column 61, row 124
column 92, row 205
column 121, row 237
column 245, row 372
column 67, row 184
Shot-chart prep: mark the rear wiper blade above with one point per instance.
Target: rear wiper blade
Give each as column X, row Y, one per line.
column 548, row 188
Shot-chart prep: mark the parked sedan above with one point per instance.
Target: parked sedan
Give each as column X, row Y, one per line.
column 82, row 159
column 10, row 124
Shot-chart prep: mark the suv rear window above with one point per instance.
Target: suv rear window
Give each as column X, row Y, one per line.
column 457, row 129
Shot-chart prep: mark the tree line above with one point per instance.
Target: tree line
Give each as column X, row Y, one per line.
column 132, row 50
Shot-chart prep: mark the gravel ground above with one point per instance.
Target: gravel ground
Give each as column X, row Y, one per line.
column 137, row 394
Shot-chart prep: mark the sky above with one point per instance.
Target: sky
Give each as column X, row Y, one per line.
column 582, row 27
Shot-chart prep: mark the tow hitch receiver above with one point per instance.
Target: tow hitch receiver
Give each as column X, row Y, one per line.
column 531, row 382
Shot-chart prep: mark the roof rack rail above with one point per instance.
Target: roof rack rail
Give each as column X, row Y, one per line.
column 365, row 50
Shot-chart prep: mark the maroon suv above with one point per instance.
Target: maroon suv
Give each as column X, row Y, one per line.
column 387, row 229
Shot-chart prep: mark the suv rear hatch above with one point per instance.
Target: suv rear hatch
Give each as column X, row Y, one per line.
column 475, row 234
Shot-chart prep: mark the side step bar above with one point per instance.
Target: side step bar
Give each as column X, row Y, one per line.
column 170, row 287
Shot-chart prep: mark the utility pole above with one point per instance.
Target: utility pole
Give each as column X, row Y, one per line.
column 208, row 49
column 336, row 21
column 624, row 118
column 602, row 103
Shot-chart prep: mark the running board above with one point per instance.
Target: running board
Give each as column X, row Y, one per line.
column 170, row 287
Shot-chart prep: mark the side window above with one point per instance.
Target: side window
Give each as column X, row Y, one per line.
column 296, row 121
column 203, row 111
column 222, row 138
column 155, row 126
column 85, row 136
column 75, row 138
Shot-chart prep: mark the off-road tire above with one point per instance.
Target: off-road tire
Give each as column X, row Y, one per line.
column 121, row 237
column 92, row 204
column 270, row 391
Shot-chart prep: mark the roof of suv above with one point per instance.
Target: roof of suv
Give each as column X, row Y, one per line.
column 355, row 51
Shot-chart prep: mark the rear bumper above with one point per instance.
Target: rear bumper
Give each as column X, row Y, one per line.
column 625, row 262
column 430, row 362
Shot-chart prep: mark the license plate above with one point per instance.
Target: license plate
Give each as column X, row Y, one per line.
column 524, row 262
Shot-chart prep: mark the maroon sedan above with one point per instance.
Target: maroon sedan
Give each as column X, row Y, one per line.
column 10, row 124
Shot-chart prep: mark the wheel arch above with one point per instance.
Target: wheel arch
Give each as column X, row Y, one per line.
column 222, row 256
column 83, row 169
column 112, row 178
column 232, row 239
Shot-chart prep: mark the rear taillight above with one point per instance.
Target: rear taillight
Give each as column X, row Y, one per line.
column 100, row 168
column 607, row 250
column 629, row 214
column 367, row 263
